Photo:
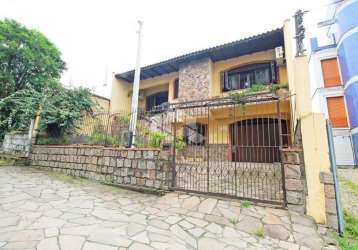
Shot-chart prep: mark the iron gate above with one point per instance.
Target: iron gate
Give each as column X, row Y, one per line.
column 231, row 148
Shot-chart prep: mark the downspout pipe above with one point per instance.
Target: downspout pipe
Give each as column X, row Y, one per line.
column 332, row 156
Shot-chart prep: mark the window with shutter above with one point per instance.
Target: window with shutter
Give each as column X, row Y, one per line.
column 337, row 112
column 330, row 72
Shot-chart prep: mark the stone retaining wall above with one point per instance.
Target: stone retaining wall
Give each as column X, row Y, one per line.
column 132, row 167
column 16, row 144
column 326, row 179
column 295, row 183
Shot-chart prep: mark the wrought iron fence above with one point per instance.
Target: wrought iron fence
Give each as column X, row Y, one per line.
column 232, row 147
column 112, row 129
column 221, row 146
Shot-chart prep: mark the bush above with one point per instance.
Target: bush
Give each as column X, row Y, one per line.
column 53, row 140
column 156, row 139
column 100, row 139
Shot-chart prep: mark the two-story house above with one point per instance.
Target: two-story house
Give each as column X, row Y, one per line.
column 210, row 74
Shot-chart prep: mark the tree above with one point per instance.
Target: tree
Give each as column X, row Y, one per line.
column 61, row 109
column 64, row 109
column 17, row 110
column 27, row 59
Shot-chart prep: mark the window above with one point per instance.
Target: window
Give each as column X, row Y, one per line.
column 156, row 100
column 195, row 134
column 245, row 77
column 330, row 72
column 176, row 88
column 337, row 112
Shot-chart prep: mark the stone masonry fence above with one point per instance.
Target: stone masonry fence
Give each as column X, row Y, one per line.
column 143, row 168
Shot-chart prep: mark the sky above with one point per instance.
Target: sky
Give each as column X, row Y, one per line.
column 98, row 37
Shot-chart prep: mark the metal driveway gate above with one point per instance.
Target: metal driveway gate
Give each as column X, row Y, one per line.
column 231, row 148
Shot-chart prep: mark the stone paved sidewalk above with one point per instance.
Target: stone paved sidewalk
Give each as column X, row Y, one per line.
column 44, row 211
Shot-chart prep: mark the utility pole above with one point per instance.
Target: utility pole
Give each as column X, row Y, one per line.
column 134, row 109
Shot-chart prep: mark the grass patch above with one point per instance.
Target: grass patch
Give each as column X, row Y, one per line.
column 349, row 240
column 260, row 232
column 348, row 185
column 234, row 221
column 66, row 178
column 3, row 162
column 245, row 204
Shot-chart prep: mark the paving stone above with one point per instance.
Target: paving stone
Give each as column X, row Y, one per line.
column 209, row 243
column 288, row 245
column 191, row 202
column 198, row 222
column 271, row 219
column 249, row 225
column 27, row 235
column 139, row 246
column 160, row 245
column 302, row 220
column 110, row 236
column 312, row 242
column 11, row 221
column 173, row 219
column 46, row 222
column 238, row 243
column 78, row 230
column 134, row 228
column 304, row 229
column 230, row 232
column 159, row 224
column 96, row 246
column 186, row 225
column 207, row 206
column 232, row 213
column 214, row 228
column 141, row 237
column 158, row 237
column 197, row 232
column 217, row 219
column 277, row 232
column 70, row 242
column 23, row 245
column 181, row 234
column 48, row 244
column 112, row 218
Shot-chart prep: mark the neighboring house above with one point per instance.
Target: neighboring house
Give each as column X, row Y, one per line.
column 103, row 104
column 327, row 93
column 345, row 32
column 334, row 74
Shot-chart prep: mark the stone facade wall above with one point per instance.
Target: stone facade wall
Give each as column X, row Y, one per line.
column 16, row 144
column 295, row 183
column 326, row 178
column 131, row 167
column 195, row 80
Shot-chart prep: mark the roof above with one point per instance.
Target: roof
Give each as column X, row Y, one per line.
column 100, row 97
column 264, row 41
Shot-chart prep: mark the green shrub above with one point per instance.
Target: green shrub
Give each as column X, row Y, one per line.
column 53, row 140
column 156, row 139
column 245, row 204
column 100, row 139
column 257, row 88
column 349, row 239
column 179, row 144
